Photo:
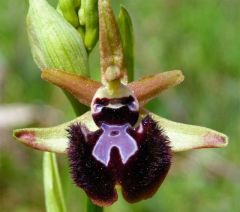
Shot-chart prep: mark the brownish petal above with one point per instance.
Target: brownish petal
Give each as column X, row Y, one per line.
column 83, row 88
column 80, row 87
column 149, row 87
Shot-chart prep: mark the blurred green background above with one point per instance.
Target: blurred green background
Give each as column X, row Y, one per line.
column 200, row 37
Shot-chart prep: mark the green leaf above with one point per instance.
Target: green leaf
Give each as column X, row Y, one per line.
column 54, row 199
column 126, row 31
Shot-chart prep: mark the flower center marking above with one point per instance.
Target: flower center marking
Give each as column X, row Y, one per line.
column 114, row 133
column 114, row 136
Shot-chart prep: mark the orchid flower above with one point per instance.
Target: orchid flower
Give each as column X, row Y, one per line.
column 117, row 143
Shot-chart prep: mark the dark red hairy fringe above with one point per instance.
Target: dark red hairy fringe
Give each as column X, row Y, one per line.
column 139, row 178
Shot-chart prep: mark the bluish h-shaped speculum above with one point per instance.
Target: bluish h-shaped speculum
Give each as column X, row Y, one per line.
column 114, row 136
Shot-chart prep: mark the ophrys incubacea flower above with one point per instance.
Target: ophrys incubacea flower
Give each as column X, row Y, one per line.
column 117, row 142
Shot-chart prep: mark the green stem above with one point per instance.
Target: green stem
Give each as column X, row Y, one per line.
column 93, row 208
column 78, row 108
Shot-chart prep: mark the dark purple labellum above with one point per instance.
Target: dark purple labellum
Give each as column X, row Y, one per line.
column 115, row 116
column 140, row 176
column 137, row 159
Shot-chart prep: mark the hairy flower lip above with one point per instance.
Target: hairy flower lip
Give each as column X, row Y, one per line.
column 83, row 88
column 139, row 176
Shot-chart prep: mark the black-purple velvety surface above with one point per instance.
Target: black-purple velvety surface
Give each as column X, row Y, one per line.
column 127, row 113
column 139, row 178
column 145, row 172
column 92, row 176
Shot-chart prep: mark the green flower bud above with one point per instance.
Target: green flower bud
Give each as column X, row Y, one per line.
column 54, row 42
column 68, row 10
column 81, row 13
column 88, row 17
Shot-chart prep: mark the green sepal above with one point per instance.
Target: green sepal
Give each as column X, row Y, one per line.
column 185, row 137
column 52, row 139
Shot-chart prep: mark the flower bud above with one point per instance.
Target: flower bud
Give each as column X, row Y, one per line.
column 54, row 42
column 88, row 17
column 68, row 10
